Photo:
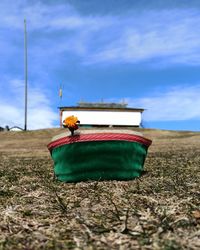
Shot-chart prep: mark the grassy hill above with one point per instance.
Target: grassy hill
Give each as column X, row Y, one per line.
column 160, row 210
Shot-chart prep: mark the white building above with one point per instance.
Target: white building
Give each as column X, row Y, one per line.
column 103, row 114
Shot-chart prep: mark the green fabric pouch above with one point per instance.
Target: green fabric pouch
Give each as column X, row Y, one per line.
column 107, row 157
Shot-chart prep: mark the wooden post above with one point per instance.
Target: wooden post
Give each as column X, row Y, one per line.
column 61, row 122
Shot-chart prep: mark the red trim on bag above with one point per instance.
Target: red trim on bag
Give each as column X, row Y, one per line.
column 98, row 137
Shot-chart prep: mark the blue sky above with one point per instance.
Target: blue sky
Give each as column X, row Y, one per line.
column 144, row 52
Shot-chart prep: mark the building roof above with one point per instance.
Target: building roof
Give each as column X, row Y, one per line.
column 77, row 108
column 101, row 105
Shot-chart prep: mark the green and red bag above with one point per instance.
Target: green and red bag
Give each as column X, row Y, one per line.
column 99, row 155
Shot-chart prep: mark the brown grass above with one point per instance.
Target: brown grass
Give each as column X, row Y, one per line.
column 160, row 210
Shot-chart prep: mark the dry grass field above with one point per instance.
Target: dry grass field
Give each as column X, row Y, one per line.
column 160, row 210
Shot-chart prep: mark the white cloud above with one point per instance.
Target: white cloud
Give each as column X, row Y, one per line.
column 46, row 17
column 170, row 35
column 40, row 113
column 177, row 104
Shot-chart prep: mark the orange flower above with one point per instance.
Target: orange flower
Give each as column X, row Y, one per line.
column 70, row 121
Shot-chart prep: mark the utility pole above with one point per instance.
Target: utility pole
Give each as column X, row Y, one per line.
column 25, row 74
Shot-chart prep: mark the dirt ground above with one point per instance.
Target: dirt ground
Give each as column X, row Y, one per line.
column 159, row 210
